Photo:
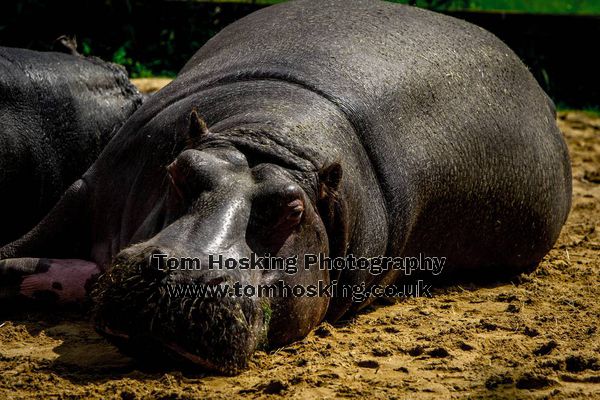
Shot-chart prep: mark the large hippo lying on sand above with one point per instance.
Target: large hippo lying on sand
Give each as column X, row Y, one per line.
column 359, row 128
column 57, row 112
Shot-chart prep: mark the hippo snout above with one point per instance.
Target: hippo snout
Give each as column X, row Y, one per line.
column 142, row 305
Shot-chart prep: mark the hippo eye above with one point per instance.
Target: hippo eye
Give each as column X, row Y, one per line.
column 186, row 182
column 173, row 180
column 295, row 209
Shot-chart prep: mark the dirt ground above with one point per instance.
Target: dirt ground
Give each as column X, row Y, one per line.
column 150, row 85
column 534, row 337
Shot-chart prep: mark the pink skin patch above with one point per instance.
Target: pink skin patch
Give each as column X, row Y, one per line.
column 65, row 277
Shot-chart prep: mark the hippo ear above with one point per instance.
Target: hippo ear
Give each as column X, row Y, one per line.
column 66, row 44
column 332, row 209
column 198, row 128
column 330, row 178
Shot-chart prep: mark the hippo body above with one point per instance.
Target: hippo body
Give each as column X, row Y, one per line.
column 57, row 111
column 339, row 127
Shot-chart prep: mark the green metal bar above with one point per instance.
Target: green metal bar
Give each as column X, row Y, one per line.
column 555, row 7
column 558, row 7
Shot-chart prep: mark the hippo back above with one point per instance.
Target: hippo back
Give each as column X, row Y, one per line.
column 455, row 126
column 57, row 112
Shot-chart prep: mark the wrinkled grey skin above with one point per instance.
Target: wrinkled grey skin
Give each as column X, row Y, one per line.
column 343, row 127
column 57, row 112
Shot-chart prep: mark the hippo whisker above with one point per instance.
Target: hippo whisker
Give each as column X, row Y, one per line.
column 153, row 295
column 133, row 279
column 195, row 304
column 151, row 326
column 183, row 305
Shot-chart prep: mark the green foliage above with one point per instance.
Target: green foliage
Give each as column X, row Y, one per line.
column 86, row 47
column 593, row 111
column 135, row 68
column 267, row 313
column 121, row 56
column 263, row 339
column 157, row 37
column 571, row 7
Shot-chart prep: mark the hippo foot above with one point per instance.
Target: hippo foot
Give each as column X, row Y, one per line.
column 62, row 281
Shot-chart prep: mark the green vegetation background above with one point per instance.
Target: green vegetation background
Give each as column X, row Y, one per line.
column 557, row 39
column 571, row 7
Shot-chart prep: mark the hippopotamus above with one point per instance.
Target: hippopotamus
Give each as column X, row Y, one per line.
column 335, row 128
column 57, row 111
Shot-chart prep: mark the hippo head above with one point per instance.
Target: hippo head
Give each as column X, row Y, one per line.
column 220, row 203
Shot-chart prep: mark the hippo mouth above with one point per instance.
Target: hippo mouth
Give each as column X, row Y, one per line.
column 170, row 349
column 134, row 310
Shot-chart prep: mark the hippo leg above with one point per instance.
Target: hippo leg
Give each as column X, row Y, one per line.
column 58, row 280
column 62, row 233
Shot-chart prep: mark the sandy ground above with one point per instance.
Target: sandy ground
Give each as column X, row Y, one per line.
column 534, row 337
column 150, row 85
